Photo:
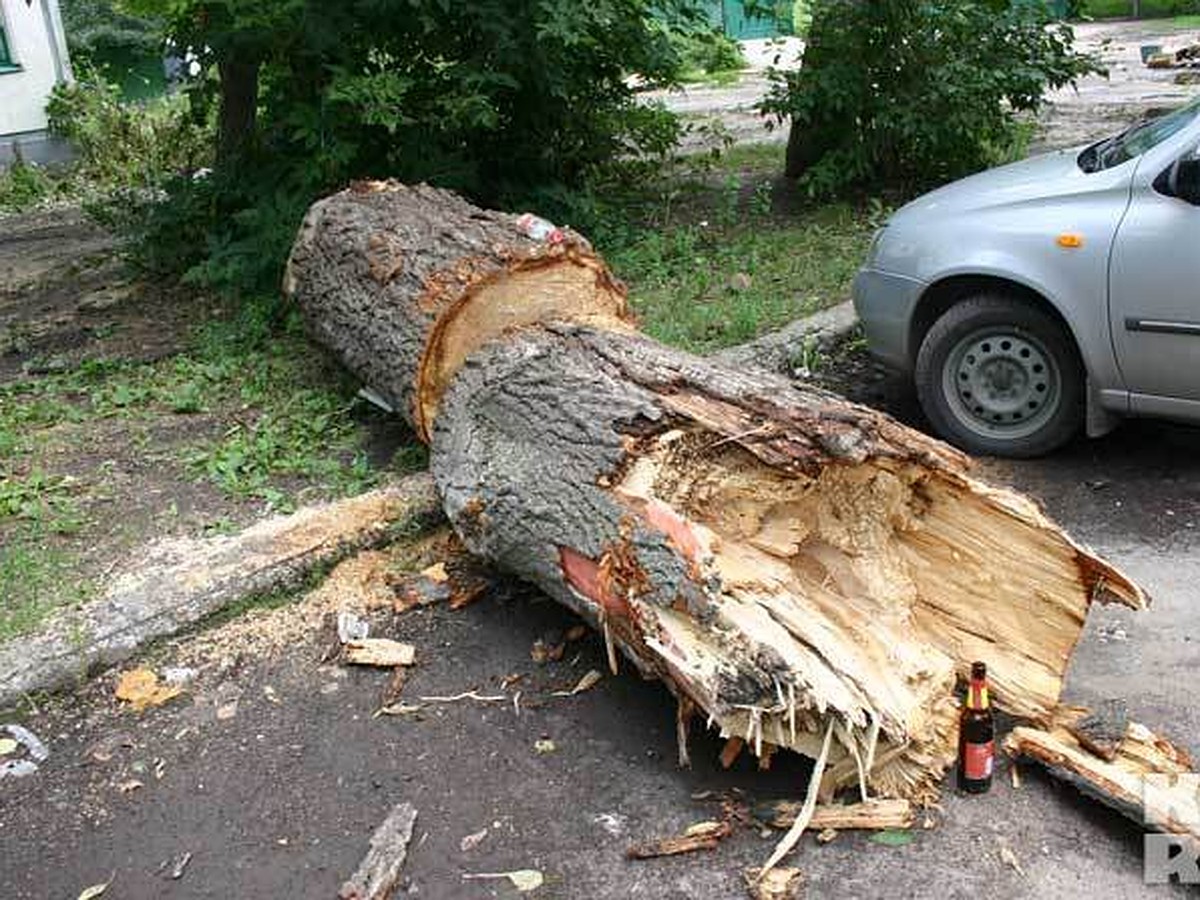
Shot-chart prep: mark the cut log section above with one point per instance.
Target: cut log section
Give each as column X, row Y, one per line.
column 1148, row 779
column 780, row 557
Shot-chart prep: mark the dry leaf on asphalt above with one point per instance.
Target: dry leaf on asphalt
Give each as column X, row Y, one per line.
column 96, row 890
column 542, row 746
column 471, row 841
column 524, row 880
column 141, row 689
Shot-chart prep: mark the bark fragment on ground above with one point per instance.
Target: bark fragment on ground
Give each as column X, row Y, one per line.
column 177, row 583
column 379, row 871
column 1148, row 779
column 701, row 836
column 787, row 562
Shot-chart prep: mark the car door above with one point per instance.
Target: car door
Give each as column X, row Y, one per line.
column 1154, row 295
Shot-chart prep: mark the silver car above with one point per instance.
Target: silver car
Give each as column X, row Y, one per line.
column 1062, row 290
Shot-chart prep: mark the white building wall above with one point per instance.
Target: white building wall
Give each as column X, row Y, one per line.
column 35, row 41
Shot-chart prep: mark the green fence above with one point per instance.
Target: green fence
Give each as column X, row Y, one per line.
column 746, row 19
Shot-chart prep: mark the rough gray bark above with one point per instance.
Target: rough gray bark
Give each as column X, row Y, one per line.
column 781, row 558
column 178, row 583
column 401, row 283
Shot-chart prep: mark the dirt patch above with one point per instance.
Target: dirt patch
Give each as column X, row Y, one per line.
column 120, row 425
column 66, row 296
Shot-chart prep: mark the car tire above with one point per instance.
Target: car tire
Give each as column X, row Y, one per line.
column 998, row 376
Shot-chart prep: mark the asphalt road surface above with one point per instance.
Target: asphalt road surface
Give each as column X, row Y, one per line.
column 272, row 773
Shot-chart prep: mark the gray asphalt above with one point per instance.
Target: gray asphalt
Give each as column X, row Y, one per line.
column 279, row 801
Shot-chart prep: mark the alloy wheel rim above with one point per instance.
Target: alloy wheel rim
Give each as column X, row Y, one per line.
column 1001, row 384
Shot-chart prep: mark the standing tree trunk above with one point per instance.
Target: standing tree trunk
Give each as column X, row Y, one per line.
column 237, row 117
column 807, row 140
column 785, row 561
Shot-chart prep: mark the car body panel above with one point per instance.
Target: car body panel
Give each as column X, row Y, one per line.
column 1154, row 296
column 1006, row 224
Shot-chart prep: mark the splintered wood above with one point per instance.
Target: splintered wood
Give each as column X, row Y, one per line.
column 1147, row 778
column 790, row 564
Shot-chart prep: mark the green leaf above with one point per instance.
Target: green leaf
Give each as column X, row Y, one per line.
column 893, row 837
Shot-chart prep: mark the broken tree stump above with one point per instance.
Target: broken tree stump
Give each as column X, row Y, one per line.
column 780, row 557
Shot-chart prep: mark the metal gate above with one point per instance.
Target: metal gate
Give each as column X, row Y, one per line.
column 742, row 24
column 744, row 19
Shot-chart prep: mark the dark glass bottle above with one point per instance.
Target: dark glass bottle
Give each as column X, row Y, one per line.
column 976, row 736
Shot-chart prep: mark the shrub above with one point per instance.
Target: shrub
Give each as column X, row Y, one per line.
column 126, row 145
column 706, row 51
column 908, row 93
column 499, row 99
column 23, row 185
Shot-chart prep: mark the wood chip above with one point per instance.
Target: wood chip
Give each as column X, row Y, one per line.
column 731, row 751
column 1010, row 859
column 872, row 815
column 701, row 836
column 777, row 884
column 380, row 652
column 1102, row 730
column 437, row 572
column 379, row 870
column 586, row 683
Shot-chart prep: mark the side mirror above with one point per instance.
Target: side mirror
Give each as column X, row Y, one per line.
column 1183, row 180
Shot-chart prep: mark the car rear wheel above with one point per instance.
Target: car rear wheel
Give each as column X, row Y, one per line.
column 998, row 376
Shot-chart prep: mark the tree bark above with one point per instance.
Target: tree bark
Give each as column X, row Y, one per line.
column 780, row 557
column 237, row 115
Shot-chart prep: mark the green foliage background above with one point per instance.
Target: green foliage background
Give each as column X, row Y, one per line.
column 508, row 101
column 911, row 93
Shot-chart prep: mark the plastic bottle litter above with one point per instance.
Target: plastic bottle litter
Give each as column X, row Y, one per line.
column 351, row 627
column 539, row 229
column 35, row 750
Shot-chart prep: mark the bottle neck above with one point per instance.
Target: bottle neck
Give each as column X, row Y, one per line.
column 977, row 694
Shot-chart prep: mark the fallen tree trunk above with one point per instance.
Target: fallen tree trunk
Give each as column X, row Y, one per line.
column 781, row 558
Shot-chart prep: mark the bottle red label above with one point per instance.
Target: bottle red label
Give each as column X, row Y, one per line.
column 978, row 760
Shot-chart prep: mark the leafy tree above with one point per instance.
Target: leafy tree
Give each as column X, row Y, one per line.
column 914, row 92
column 497, row 98
column 98, row 28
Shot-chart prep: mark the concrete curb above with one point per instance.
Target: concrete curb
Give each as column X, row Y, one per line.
column 176, row 583
column 776, row 351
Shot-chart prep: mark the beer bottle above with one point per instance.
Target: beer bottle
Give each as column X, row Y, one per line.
column 976, row 736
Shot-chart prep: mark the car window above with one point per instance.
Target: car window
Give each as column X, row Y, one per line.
column 1133, row 142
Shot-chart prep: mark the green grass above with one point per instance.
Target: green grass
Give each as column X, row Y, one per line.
column 290, row 413
column 289, row 429
column 35, row 579
column 710, row 259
